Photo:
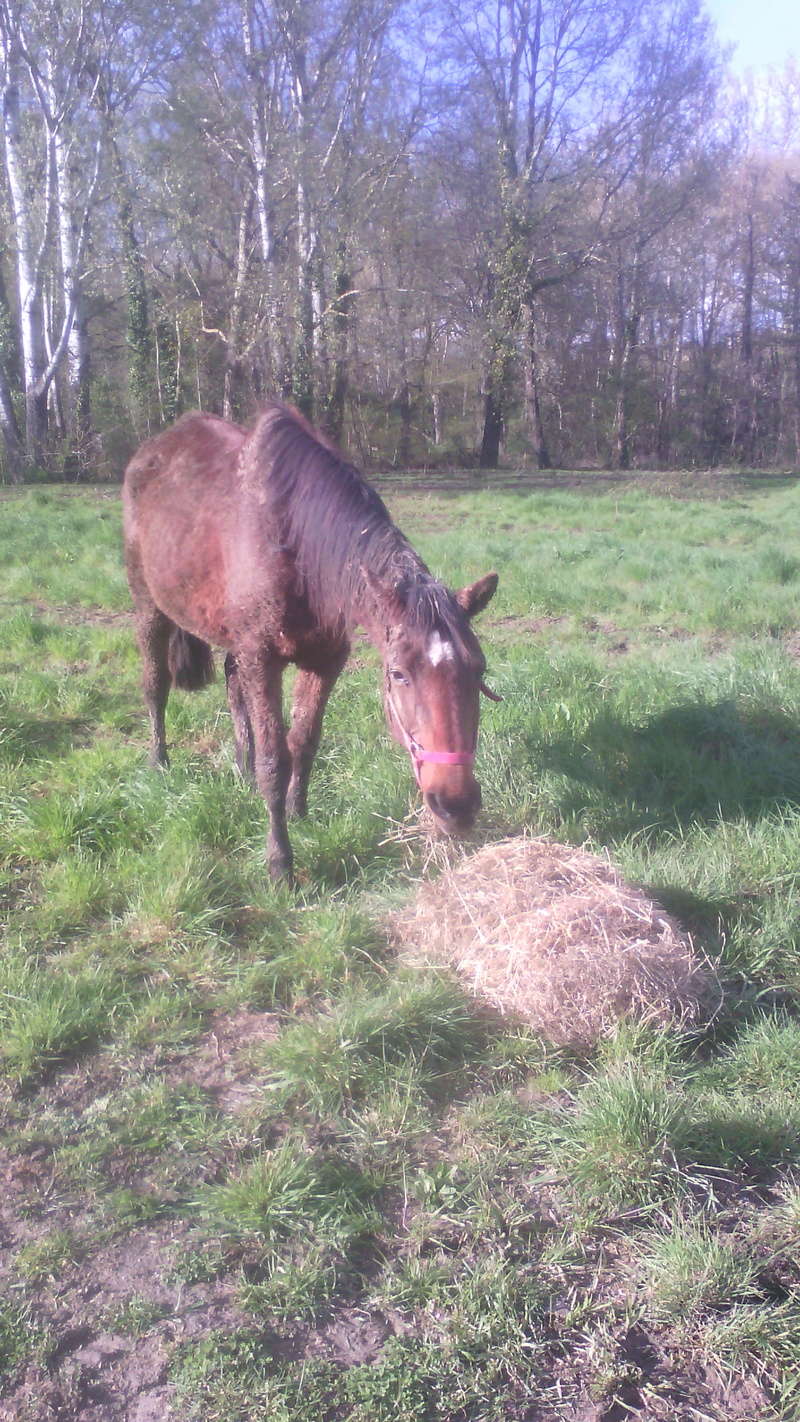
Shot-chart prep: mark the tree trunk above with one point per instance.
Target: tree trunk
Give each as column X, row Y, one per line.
column 669, row 399
column 28, row 278
column 78, row 358
column 303, row 373
column 628, row 320
column 14, row 459
column 13, row 452
column 492, row 430
column 796, row 358
column 746, row 436
column 342, row 316
column 506, row 286
column 436, row 411
column 167, row 372
column 138, row 333
column 260, row 153
column 232, row 404
column 533, row 409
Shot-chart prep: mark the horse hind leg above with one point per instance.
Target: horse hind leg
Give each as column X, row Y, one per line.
column 242, row 728
column 153, row 631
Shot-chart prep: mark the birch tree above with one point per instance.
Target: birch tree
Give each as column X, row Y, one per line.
column 48, row 58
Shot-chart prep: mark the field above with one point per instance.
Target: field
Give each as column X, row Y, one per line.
column 254, row 1168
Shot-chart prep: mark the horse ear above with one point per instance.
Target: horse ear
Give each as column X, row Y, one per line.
column 474, row 598
column 387, row 599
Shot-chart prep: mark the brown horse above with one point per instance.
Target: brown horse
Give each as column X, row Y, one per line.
column 270, row 545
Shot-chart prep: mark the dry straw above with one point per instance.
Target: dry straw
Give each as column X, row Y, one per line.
column 555, row 937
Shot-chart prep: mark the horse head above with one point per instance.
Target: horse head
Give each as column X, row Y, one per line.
column 433, row 670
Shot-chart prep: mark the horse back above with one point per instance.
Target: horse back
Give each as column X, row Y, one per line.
column 181, row 502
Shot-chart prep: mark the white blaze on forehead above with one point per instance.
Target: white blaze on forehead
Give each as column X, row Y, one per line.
column 440, row 651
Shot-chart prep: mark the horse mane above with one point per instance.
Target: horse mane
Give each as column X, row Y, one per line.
column 336, row 527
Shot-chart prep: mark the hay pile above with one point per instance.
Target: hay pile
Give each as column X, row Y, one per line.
column 553, row 936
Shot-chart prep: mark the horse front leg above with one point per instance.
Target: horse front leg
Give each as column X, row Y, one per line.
column 311, row 692
column 259, row 680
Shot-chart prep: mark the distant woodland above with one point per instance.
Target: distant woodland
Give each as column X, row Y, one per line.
column 482, row 232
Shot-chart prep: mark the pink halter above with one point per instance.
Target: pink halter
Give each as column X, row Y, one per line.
column 419, row 754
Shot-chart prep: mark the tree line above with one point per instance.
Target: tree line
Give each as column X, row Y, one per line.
column 542, row 231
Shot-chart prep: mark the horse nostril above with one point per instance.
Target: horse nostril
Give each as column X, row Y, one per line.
column 460, row 811
column 436, row 804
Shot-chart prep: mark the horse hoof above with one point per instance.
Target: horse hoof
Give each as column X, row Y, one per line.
column 281, row 872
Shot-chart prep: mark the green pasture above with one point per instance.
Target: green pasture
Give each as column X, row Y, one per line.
column 302, row 1182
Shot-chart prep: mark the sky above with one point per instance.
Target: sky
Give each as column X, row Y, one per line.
column 763, row 31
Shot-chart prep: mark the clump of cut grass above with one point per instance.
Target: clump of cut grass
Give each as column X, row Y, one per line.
column 127, row 1208
column 235, row 1375
column 86, row 822
column 135, row 1316
column 294, row 1288
column 553, row 936
column 760, row 1339
column 765, row 1057
column 324, row 950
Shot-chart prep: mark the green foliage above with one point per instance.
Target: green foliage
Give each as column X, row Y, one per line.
column 20, row 1336
column 49, row 1257
column 689, row 1271
column 287, row 1192
column 616, row 1148
column 419, row 1025
column 246, row 1081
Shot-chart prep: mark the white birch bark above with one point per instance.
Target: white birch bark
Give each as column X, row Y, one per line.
column 77, row 354
column 258, row 132
column 260, row 141
column 28, row 263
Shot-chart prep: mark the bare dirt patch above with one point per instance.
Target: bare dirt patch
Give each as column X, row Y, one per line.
column 706, row 484
column 95, row 1373
column 522, row 625
column 70, row 615
column 218, row 1061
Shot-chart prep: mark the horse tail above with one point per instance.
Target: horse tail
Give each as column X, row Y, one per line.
column 190, row 661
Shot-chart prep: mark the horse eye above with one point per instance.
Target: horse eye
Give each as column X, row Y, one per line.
column 398, row 677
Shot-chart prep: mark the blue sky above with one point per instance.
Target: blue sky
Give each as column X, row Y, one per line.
column 764, row 31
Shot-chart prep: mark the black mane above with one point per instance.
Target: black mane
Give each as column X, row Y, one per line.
column 337, row 526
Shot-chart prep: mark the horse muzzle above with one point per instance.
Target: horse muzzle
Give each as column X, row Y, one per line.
column 455, row 812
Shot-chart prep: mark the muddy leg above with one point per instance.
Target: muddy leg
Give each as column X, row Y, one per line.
column 242, row 730
column 260, row 682
column 311, row 692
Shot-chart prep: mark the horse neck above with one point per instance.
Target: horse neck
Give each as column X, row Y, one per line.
column 371, row 605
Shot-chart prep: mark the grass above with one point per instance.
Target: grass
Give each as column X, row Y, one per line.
column 310, row 1184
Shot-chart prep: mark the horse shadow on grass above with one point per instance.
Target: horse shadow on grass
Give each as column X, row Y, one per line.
column 692, row 764
column 30, row 738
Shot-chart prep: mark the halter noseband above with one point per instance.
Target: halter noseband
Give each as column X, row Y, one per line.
column 419, row 755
